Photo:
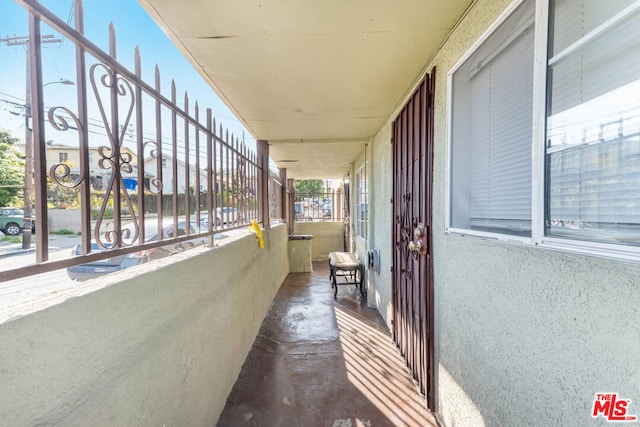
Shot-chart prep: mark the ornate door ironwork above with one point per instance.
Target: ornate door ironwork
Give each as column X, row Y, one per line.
column 412, row 141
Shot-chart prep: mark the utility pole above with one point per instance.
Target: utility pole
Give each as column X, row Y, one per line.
column 28, row 140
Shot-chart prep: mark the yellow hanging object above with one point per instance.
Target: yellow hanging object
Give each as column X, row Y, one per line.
column 255, row 228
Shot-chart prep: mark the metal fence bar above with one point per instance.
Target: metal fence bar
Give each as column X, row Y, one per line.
column 210, row 172
column 159, row 160
column 37, row 139
column 187, row 177
column 214, row 177
column 140, row 141
column 85, row 187
column 174, row 159
column 197, row 160
column 323, row 205
column 225, row 214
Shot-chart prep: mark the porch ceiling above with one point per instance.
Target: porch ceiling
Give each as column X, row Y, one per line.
column 314, row 79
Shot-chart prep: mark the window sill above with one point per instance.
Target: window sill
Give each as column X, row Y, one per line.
column 627, row 254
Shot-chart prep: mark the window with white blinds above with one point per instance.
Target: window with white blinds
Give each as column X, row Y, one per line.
column 491, row 130
column 581, row 190
column 362, row 203
column 593, row 121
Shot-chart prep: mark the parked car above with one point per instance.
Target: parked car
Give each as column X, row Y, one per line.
column 11, row 221
column 302, row 212
column 120, row 262
column 224, row 215
column 326, row 209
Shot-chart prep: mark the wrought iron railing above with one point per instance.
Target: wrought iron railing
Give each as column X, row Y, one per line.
column 156, row 161
column 278, row 199
column 327, row 205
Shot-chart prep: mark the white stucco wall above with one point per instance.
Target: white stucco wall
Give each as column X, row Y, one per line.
column 328, row 236
column 64, row 219
column 300, row 256
column 160, row 347
column 524, row 335
column 380, row 194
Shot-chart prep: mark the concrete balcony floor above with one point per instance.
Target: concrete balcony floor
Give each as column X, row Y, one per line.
column 323, row 362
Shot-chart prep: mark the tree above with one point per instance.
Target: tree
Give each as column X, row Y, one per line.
column 11, row 170
column 308, row 186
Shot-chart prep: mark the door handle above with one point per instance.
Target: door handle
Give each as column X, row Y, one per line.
column 419, row 243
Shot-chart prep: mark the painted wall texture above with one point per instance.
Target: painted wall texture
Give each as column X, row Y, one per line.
column 524, row 335
column 300, row 256
column 148, row 349
column 65, row 219
column 328, row 236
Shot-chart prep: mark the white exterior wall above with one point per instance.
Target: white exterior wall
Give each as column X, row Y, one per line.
column 160, row 348
column 524, row 335
column 328, row 236
column 151, row 170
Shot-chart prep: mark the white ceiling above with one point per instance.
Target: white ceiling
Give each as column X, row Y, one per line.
column 315, row 79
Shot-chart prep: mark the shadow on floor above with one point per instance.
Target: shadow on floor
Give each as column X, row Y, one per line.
column 320, row 362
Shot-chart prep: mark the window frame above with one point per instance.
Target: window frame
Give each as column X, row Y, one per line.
column 542, row 62
column 361, row 223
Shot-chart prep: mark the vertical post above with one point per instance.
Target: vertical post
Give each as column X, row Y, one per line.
column 337, row 207
column 28, row 139
column 292, row 214
column 284, row 212
column 197, row 173
column 263, row 181
column 160, row 158
column 174, row 154
column 140, row 146
column 187, row 172
column 210, row 173
column 116, row 143
column 81, row 92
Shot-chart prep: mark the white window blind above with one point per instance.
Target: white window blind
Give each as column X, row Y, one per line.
column 593, row 123
column 491, row 133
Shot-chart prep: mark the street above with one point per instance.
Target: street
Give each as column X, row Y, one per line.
column 21, row 296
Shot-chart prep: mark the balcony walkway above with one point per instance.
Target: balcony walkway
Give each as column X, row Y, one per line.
column 320, row 362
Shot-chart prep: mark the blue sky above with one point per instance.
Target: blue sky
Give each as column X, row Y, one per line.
column 133, row 27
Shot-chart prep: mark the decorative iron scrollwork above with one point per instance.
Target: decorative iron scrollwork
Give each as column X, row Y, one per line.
column 112, row 158
column 405, row 245
column 59, row 171
column 155, row 184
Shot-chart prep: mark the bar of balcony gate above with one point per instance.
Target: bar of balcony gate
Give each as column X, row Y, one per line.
column 263, row 181
column 37, row 141
column 159, row 168
column 254, row 190
column 174, row 160
column 81, row 93
column 283, row 195
column 214, row 177
column 210, row 172
column 291, row 210
column 225, row 214
column 140, row 145
column 187, row 183
column 234, row 159
column 115, row 141
column 197, row 177
column 243, row 183
column 222, row 181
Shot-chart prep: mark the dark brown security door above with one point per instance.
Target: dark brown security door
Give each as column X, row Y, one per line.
column 412, row 141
